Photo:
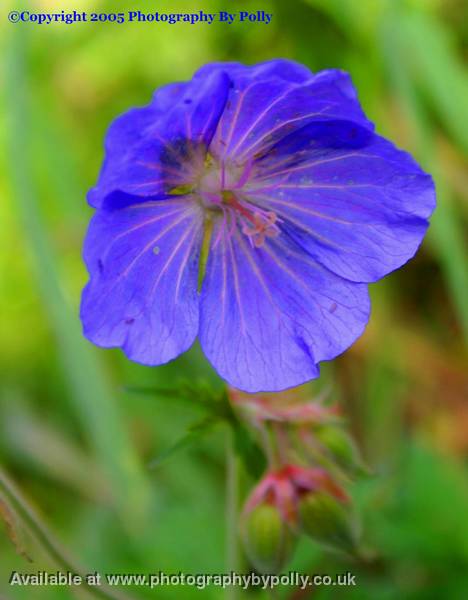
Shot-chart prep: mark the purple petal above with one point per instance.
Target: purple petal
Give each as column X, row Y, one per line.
column 270, row 314
column 282, row 68
column 352, row 200
column 151, row 150
column 261, row 111
column 143, row 264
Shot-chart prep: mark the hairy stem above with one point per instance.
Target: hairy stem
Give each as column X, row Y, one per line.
column 55, row 553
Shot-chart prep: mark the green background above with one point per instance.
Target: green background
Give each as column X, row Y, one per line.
column 78, row 445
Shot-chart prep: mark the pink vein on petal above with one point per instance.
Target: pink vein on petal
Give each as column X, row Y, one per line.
column 258, row 119
column 170, row 259
column 280, row 126
column 151, row 243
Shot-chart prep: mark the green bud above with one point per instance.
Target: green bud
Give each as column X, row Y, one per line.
column 267, row 538
column 328, row 521
column 342, row 449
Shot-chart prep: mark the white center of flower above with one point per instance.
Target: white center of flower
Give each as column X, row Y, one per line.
column 221, row 189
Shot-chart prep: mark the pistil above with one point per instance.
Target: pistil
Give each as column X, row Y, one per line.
column 221, row 189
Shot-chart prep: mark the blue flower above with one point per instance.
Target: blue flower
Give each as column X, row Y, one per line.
column 279, row 174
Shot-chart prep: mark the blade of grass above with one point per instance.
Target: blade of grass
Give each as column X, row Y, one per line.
column 92, row 398
column 445, row 234
column 440, row 73
column 45, row 448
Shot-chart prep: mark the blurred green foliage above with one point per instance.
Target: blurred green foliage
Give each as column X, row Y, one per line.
column 78, row 445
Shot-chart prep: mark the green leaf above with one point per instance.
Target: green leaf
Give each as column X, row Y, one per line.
column 194, row 433
column 197, row 393
column 219, row 408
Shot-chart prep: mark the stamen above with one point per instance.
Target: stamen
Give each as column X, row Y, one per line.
column 265, row 226
column 256, row 224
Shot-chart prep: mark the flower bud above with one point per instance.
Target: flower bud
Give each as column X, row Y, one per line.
column 327, row 520
column 342, row 449
column 268, row 539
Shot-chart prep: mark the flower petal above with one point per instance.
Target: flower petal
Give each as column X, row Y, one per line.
column 282, row 68
column 260, row 111
column 352, row 200
column 151, row 150
column 270, row 314
column 142, row 294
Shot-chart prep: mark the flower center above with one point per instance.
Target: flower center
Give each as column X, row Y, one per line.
column 220, row 189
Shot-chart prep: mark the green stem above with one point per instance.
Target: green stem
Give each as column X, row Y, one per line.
column 232, row 501
column 52, row 548
column 275, row 444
